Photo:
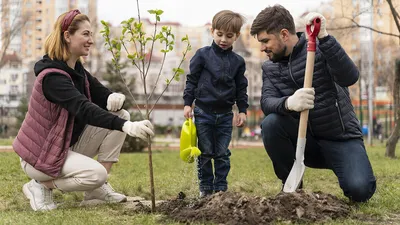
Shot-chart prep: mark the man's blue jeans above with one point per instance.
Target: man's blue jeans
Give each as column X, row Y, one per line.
column 214, row 132
column 347, row 159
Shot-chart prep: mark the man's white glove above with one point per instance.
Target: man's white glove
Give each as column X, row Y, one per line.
column 310, row 19
column 115, row 101
column 139, row 129
column 301, row 100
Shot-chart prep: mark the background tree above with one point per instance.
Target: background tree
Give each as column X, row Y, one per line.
column 133, row 34
column 10, row 27
column 345, row 23
column 21, row 111
column 115, row 83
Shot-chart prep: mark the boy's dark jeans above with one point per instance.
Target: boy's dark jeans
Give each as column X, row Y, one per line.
column 214, row 132
column 347, row 159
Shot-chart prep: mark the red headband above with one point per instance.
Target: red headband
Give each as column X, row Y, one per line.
column 68, row 19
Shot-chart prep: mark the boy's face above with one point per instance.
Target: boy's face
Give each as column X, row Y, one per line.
column 224, row 39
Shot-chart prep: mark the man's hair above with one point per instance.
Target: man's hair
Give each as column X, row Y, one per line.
column 273, row 20
column 228, row 21
column 55, row 45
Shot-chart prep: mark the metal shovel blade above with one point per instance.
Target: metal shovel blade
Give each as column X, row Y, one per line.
column 296, row 174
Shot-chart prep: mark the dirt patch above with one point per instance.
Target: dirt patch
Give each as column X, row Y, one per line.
column 234, row 208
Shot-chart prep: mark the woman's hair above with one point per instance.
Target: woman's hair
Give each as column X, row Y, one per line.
column 228, row 21
column 272, row 20
column 55, row 46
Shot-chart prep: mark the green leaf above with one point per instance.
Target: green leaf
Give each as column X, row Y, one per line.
column 159, row 12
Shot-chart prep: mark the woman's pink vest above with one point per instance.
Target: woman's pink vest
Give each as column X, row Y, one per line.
column 45, row 135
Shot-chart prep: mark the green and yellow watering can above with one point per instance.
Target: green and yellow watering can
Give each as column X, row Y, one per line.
column 188, row 146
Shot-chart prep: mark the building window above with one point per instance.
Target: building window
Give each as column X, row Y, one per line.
column 14, row 89
column 15, row 65
column 14, row 77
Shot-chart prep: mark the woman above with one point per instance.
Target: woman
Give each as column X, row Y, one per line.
column 67, row 122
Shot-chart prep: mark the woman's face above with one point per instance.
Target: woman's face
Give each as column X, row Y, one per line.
column 79, row 43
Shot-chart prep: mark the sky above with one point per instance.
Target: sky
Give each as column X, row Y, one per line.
column 195, row 12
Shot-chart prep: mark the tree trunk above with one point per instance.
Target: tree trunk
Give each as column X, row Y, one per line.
column 394, row 137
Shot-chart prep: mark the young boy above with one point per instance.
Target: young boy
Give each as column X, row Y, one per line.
column 216, row 82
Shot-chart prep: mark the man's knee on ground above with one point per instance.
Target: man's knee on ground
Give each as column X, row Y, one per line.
column 270, row 124
column 359, row 191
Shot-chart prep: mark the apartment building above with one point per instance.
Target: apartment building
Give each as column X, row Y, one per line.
column 13, row 78
column 38, row 17
column 356, row 41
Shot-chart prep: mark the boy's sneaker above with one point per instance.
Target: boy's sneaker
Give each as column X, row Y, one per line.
column 105, row 193
column 41, row 198
column 205, row 193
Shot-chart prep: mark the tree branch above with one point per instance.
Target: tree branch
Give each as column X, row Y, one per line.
column 357, row 25
column 395, row 14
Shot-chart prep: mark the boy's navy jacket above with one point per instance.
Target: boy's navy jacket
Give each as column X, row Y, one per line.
column 216, row 80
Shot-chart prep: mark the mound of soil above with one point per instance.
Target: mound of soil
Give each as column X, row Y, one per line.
column 234, row 208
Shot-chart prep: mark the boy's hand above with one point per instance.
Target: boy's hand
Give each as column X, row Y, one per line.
column 187, row 112
column 241, row 120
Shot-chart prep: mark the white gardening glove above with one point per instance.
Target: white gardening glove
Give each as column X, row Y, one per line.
column 310, row 19
column 115, row 101
column 301, row 100
column 138, row 129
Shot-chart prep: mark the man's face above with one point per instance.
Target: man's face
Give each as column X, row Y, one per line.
column 273, row 45
column 224, row 39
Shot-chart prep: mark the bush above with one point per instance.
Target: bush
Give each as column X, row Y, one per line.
column 133, row 144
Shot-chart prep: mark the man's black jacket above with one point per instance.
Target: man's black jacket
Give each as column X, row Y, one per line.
column 333, row 116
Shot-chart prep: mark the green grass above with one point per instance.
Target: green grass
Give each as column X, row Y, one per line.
column 251, row 173
column 6, row 141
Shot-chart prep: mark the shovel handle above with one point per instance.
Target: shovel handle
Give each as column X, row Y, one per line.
column 307, row 84
column 308, row 77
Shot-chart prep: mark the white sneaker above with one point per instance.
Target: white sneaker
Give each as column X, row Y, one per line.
column 41, row 198
column 105, row 193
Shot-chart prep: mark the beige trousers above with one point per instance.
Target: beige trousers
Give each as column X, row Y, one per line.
column 80, row 171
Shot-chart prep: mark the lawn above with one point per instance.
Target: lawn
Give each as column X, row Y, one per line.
column 251, row 173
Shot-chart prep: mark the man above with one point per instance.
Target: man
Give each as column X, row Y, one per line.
column 334, row 138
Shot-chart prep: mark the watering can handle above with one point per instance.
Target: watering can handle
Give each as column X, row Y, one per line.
column 190, row 125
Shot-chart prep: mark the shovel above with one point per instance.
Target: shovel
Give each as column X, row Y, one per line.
column 296, row 173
